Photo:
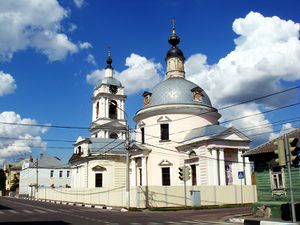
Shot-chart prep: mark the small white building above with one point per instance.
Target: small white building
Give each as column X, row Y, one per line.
column 178, row 126
column 48, row 171
column 100, row 160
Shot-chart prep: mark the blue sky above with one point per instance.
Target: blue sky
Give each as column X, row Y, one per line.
column 52, row 53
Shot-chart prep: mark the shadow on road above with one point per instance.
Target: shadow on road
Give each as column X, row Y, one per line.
column 36, row 222
column 2, row 207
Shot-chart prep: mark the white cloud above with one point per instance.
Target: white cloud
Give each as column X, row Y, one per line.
column 35, row 24
column 284, row 129
column 85, row 45
column 141, row 74
column 72, row 27
column 91, row 59
column 18, row 139
column 79, row 3
column 267, row 52
column 95, row 77
column 7, row 84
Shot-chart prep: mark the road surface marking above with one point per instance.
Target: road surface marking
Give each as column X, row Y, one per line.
column 27, row 211
column 50, row 210
column 12, row 211
column 39, row 211
column 64, row 210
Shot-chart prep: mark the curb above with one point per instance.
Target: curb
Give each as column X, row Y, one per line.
column 259, row 222
column 75, row 204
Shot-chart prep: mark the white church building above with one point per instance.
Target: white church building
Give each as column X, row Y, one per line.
column 178, row 126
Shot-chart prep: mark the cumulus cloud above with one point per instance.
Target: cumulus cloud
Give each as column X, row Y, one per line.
column 85, row 45
column 7, row 84
column 267, row 52
column 95, row 77
column 91, row 59
column 19, row 139
column 79, row 3
column 33, row 24
column 141, row 73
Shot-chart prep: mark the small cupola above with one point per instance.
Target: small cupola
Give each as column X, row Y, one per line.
column 175, row 58
column 108, row 69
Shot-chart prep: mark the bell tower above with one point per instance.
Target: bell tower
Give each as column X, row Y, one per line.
column 108, row 117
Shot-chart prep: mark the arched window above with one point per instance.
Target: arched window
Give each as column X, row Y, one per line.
column 79, row 152
column 192, row 154
column 113, row 109
column 97, row 110
column 113, row 135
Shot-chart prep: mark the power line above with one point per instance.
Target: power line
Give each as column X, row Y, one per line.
column 264, row 112
column 87, row 128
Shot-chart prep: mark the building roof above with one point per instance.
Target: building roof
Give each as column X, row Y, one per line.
column 47, row 161
column 107, row 146
column 176, row 91
column 213, row 132
column 269, row 146
column 111, row 81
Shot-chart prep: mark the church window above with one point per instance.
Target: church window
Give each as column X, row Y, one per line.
column 194, row 175
column 113, row 135
column 143, row 135
column 141, row 177
column 192, row 154
column 165, row 173
column 68, row 173
column 60, row 173
column 98, row 180
column 197, row 94
column 164, row 132
column 97, row 110
column 51, row 173
column 113, row 109
column 79, row 151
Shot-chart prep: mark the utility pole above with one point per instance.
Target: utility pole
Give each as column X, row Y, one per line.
column 288, row 157
column 37, row 177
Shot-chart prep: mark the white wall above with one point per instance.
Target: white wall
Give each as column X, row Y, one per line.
column 28, row 177
column 153, row 196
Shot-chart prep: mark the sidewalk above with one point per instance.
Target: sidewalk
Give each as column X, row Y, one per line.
column 254, row 220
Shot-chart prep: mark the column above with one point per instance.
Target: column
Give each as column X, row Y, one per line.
column 133, row 172
column 144, row 171
column 222, row 167
column 122, row 110
column 106, row 108
column 214, row 167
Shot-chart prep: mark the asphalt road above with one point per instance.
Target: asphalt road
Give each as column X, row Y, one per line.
column 23, row 212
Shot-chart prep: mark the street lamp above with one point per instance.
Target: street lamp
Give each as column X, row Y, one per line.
column 127, row 155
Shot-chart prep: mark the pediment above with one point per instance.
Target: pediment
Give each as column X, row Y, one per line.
column 232, row 134
column 165, row 163
column 99, row 168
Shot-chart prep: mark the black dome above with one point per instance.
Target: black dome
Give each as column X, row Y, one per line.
column 175, row 52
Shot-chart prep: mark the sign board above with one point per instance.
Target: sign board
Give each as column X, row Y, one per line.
column 241, row 174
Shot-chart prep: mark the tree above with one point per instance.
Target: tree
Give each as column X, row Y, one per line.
column 15, row 183
column 2, row 180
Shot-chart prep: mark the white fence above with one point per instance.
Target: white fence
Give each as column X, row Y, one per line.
column 152, row 196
